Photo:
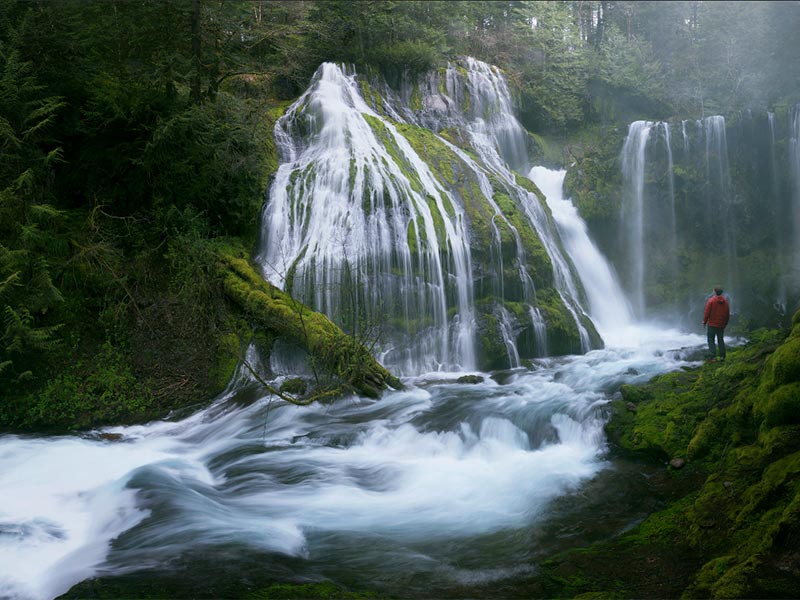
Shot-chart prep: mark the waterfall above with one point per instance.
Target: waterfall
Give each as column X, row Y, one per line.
column 673, row 225
column 608, row 306
column 654, row 226
column 540, row 330
column 720, row 225
column 633, row 167
column 685, row 138
column 365, row 225
column 781, row 296
column 507, row 331
column 794, row 173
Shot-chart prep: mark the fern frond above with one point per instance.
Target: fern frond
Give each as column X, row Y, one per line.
column 9, row 282
column 45, row 211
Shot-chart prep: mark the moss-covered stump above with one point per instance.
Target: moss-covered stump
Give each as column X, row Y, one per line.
column 331, row 348
column 737, row 425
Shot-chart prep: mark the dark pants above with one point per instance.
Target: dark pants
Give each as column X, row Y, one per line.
column 715, row 333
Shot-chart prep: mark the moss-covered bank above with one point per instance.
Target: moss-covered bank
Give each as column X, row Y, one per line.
column 732, row 531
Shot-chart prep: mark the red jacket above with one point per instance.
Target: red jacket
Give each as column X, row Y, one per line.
column 717, row 312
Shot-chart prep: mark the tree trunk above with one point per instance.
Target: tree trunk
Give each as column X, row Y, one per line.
column 196, row 48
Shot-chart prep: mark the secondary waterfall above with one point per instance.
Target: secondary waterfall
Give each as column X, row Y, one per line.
column 608, row 305
column 720, row 224
column 794, row 170
column 376, row 219
column 781, row 294
column 633, row 165
column 659, row 229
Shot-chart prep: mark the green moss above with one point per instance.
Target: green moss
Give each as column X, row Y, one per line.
column 784, row 366
column 744, row 434
column 308, row 591
column 228, row 353
column 416, row 97
column 783, row 405
column 412, row 235
column 95, row 391
column 527, row 185
column 438, row 221
column 540, row 267
column 595, row 182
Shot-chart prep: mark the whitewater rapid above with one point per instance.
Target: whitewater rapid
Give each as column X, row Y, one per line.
column 440, row 464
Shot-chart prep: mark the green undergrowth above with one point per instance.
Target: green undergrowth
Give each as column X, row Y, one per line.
column 308, row 591
column 151, row 336
column 735, row 524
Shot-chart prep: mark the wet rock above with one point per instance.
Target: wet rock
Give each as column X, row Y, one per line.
column 470, row 379
column 631, row 406
column 677, row 463
column 632, row 371
column 112, row 437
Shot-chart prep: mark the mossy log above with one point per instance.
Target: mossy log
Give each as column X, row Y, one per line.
column 341, row 354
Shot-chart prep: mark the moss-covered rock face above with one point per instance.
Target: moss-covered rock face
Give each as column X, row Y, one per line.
column 503, row 241
column 737, row 425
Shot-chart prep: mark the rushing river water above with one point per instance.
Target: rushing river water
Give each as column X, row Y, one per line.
column 440, row 486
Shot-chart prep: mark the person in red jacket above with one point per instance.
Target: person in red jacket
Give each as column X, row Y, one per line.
column 715, row 317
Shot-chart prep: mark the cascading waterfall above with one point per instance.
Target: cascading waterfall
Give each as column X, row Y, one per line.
column 355, row 231
column 528, row 287
column 359, row 226
column 499, row 141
